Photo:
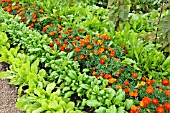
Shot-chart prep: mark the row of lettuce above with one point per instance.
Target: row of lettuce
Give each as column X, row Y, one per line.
column 57, row 64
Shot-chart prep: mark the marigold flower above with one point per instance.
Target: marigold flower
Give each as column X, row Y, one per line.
column 126, row 83
column 60, row 36
column 104, row 56
column 75, row 59
column 126, row 90
column 112, row 80
column 94, row 73
column 134, row 75
column 70, row 36
column 149, row 82
column 99, row 41
column 87, row 36
column 167, row 92
column 167, row 106
column 73, row 43
column 81, row 57
column 77, row 49
column 116, row 59
column 108, row 76
column 102, row 61
column 89, row 47
column 150, row 90
column 110, row 49
column 80, row 30
column 87, row 41
column 106, row 37
column 100, row 50
column 160, row 109
column 118, row 86
column 70, row 31
column 62, row 48
column 77, row 37
column 91, row 54
column 146, row 100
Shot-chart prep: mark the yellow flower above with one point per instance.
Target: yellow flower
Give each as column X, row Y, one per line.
column 91, row 54
column 142, row 83
column 104, row 56
column 100, row 41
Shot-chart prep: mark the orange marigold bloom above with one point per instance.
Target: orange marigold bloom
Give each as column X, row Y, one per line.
column 102, row 74
column 75, row 59
column 131, row 93
column 109, row 86
column 118, row 86
column 87, row 36
column 66, row 32
column 134, row 75
column 60, row 36
column 112, row 80
column 167, row 92
column 110, row 49
column 146, row 100
column 77, row 37
column 108, row 76
column 70, row 36
column 70, row 31
column 81, row 57
column 87, row 41
column 142, row 104
column 89, row 47
column 100, row 50
column 99, row 41
column 77, row 49
column 80, row 30
column 106, row 37
column 126, row 90
column 94, row 73
column 116, row 59
column 126, row 83
column 150, row 90
column 74, row 43
column 135, row 94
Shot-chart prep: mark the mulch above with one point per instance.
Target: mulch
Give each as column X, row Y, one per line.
column 8, row 94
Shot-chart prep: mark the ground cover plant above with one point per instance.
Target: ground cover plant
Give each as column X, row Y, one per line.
column 95, row 68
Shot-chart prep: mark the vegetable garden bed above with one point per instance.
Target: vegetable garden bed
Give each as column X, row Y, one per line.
column 71, row 58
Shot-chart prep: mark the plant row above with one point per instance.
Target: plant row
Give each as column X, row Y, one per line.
column 124, row 78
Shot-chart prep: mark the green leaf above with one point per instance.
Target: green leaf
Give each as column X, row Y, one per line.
column 70, row 54
column 34, row 66
column 93, row 103
column 70, row 105
column 72, row 74
column 166, row 64
column 101, row 110
column 5, row 75
column 119, row 98
column 50, row 87
column 68, row 94
column 39, row 110
column 3, row 38
column 128, row 104
column 121, row 110
column 128, row 61
column 112, row 109
column 53, row 105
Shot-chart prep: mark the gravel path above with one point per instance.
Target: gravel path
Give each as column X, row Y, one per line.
column 8, row 95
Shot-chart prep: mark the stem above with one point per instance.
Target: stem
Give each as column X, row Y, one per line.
column 159, row 19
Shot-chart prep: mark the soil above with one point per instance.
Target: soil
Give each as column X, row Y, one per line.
column 8, row 94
